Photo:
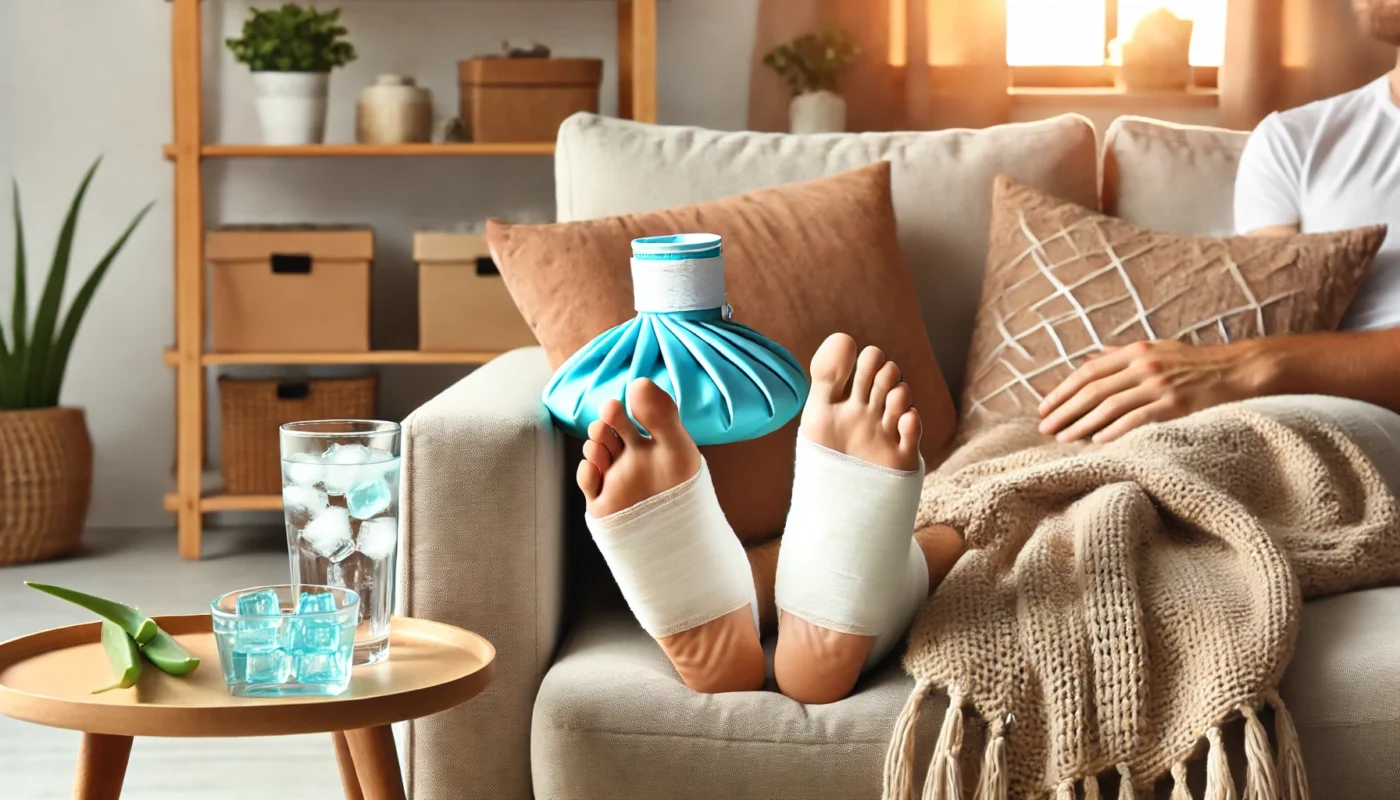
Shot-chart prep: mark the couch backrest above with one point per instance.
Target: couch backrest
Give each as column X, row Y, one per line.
column 1172, row 177
column 942, row 184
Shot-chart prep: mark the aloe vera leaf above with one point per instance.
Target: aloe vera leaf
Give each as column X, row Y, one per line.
column 168, row 656
column 58, row 361
column 122, row 652
column 46, row 318
column 137, row 625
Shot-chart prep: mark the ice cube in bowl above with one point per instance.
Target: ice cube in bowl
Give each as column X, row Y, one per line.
column 313, row 646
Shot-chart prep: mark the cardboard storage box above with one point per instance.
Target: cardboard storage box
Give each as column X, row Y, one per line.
column 290, row 289
column 462, row 301
column 525, row 99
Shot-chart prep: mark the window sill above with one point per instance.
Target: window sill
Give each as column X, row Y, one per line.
column 1111, row 97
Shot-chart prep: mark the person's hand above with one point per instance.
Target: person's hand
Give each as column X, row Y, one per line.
column 1126, row 387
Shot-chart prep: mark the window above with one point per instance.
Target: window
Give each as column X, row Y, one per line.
column 1066, row 42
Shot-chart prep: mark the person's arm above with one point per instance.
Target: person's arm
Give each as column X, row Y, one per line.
column 1155, row 381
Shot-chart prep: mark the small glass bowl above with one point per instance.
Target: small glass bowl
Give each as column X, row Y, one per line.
column 290, row 653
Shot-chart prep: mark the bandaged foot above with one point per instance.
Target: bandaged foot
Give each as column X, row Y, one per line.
column 850, row 577
column 653, row 512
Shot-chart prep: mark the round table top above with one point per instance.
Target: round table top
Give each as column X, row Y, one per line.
column 48, row 677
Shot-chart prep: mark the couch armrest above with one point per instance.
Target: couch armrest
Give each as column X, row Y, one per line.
column 482, row 548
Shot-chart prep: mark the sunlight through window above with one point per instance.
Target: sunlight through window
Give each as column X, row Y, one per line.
column 1072, row 32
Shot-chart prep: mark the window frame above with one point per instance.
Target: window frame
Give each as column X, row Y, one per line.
column 1099, row 75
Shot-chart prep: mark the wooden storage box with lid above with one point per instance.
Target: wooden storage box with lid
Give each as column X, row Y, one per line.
column 462, row 301
column 279, row 289
column 251, row 410
column 525, row 99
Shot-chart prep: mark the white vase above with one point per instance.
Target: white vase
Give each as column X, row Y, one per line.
column 292, row 106
column 817, row 112
column 393, row 110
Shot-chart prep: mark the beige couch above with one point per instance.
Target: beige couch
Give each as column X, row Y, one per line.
column 584, row 704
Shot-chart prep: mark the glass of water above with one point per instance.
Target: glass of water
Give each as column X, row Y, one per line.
column 340, row 492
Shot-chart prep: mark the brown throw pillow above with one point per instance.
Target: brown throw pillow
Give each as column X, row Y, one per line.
column 801, row 262
column 1064, row 281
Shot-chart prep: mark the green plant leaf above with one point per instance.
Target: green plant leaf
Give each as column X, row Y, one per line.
column 58, row 363
column 19, row 320
column 46, row 319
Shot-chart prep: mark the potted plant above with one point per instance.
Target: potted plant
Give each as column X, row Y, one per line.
column 45, row 451
column 812, row 66
column 291, row 51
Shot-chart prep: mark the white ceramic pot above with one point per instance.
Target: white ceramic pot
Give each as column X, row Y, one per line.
column 393, row 110
column 292, row 106
column 817, row 112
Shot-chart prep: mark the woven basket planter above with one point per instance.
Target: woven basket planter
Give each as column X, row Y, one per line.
column 45, row 483
column 252, row 410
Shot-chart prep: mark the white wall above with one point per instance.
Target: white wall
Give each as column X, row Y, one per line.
column 80, row 78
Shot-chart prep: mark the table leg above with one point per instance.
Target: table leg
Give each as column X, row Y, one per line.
column 101, row 767
column 376, row 762
column 348, row 779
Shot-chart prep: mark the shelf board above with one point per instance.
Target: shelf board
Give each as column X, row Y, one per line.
column 370, row 150
column 230, row 502
column 476, row 357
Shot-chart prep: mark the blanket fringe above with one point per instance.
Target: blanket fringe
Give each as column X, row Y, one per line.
column 1220, row 784
column 944, row 781
column 993, row 782
column 1065, row 791
column 1125, row 783
column 1261, row 782
column 1091, row 789
column 1292, row 778
column 899, row 758
column 1180, row 791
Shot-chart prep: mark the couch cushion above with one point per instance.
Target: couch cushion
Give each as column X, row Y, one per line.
column 942, row 183
column 801, row 260
column 613, row 721
column 1173, row 177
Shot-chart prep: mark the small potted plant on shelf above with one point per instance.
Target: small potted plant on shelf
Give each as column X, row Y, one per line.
column 291, row 51
column 812, row 66
column 45, row 451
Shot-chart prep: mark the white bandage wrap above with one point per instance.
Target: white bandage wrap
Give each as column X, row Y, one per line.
column 688, row 284
column 676, row 559
column 848, row 561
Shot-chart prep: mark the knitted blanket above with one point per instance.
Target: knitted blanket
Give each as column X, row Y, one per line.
column 1118, row 603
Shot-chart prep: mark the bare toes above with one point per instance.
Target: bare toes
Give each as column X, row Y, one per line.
column 597, row 455
column 612, row 414
column 590, row 480
column 870, row 361
column 656, row 412
column 602, row 433
column 885, row 380
column 831, row 367
column 911, row 428
column 899, row 400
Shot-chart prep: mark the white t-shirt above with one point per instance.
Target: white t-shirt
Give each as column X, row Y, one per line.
column 1327, row 166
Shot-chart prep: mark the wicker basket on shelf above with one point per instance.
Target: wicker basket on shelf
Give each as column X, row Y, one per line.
column 45, row 483
column 253, row 409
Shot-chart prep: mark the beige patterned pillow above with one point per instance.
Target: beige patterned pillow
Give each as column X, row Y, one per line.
column 1063, row 281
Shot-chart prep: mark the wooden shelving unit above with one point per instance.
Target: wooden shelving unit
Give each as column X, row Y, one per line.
column 190, row 501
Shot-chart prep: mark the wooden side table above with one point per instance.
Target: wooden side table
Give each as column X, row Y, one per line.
column 47, row 677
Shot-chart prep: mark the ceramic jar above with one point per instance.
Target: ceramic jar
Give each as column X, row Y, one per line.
column 393, row 110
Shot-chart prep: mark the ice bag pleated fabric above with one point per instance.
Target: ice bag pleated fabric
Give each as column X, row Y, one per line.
column 729, row 381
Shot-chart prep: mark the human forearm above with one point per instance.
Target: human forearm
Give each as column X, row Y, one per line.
column 1362, row 365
